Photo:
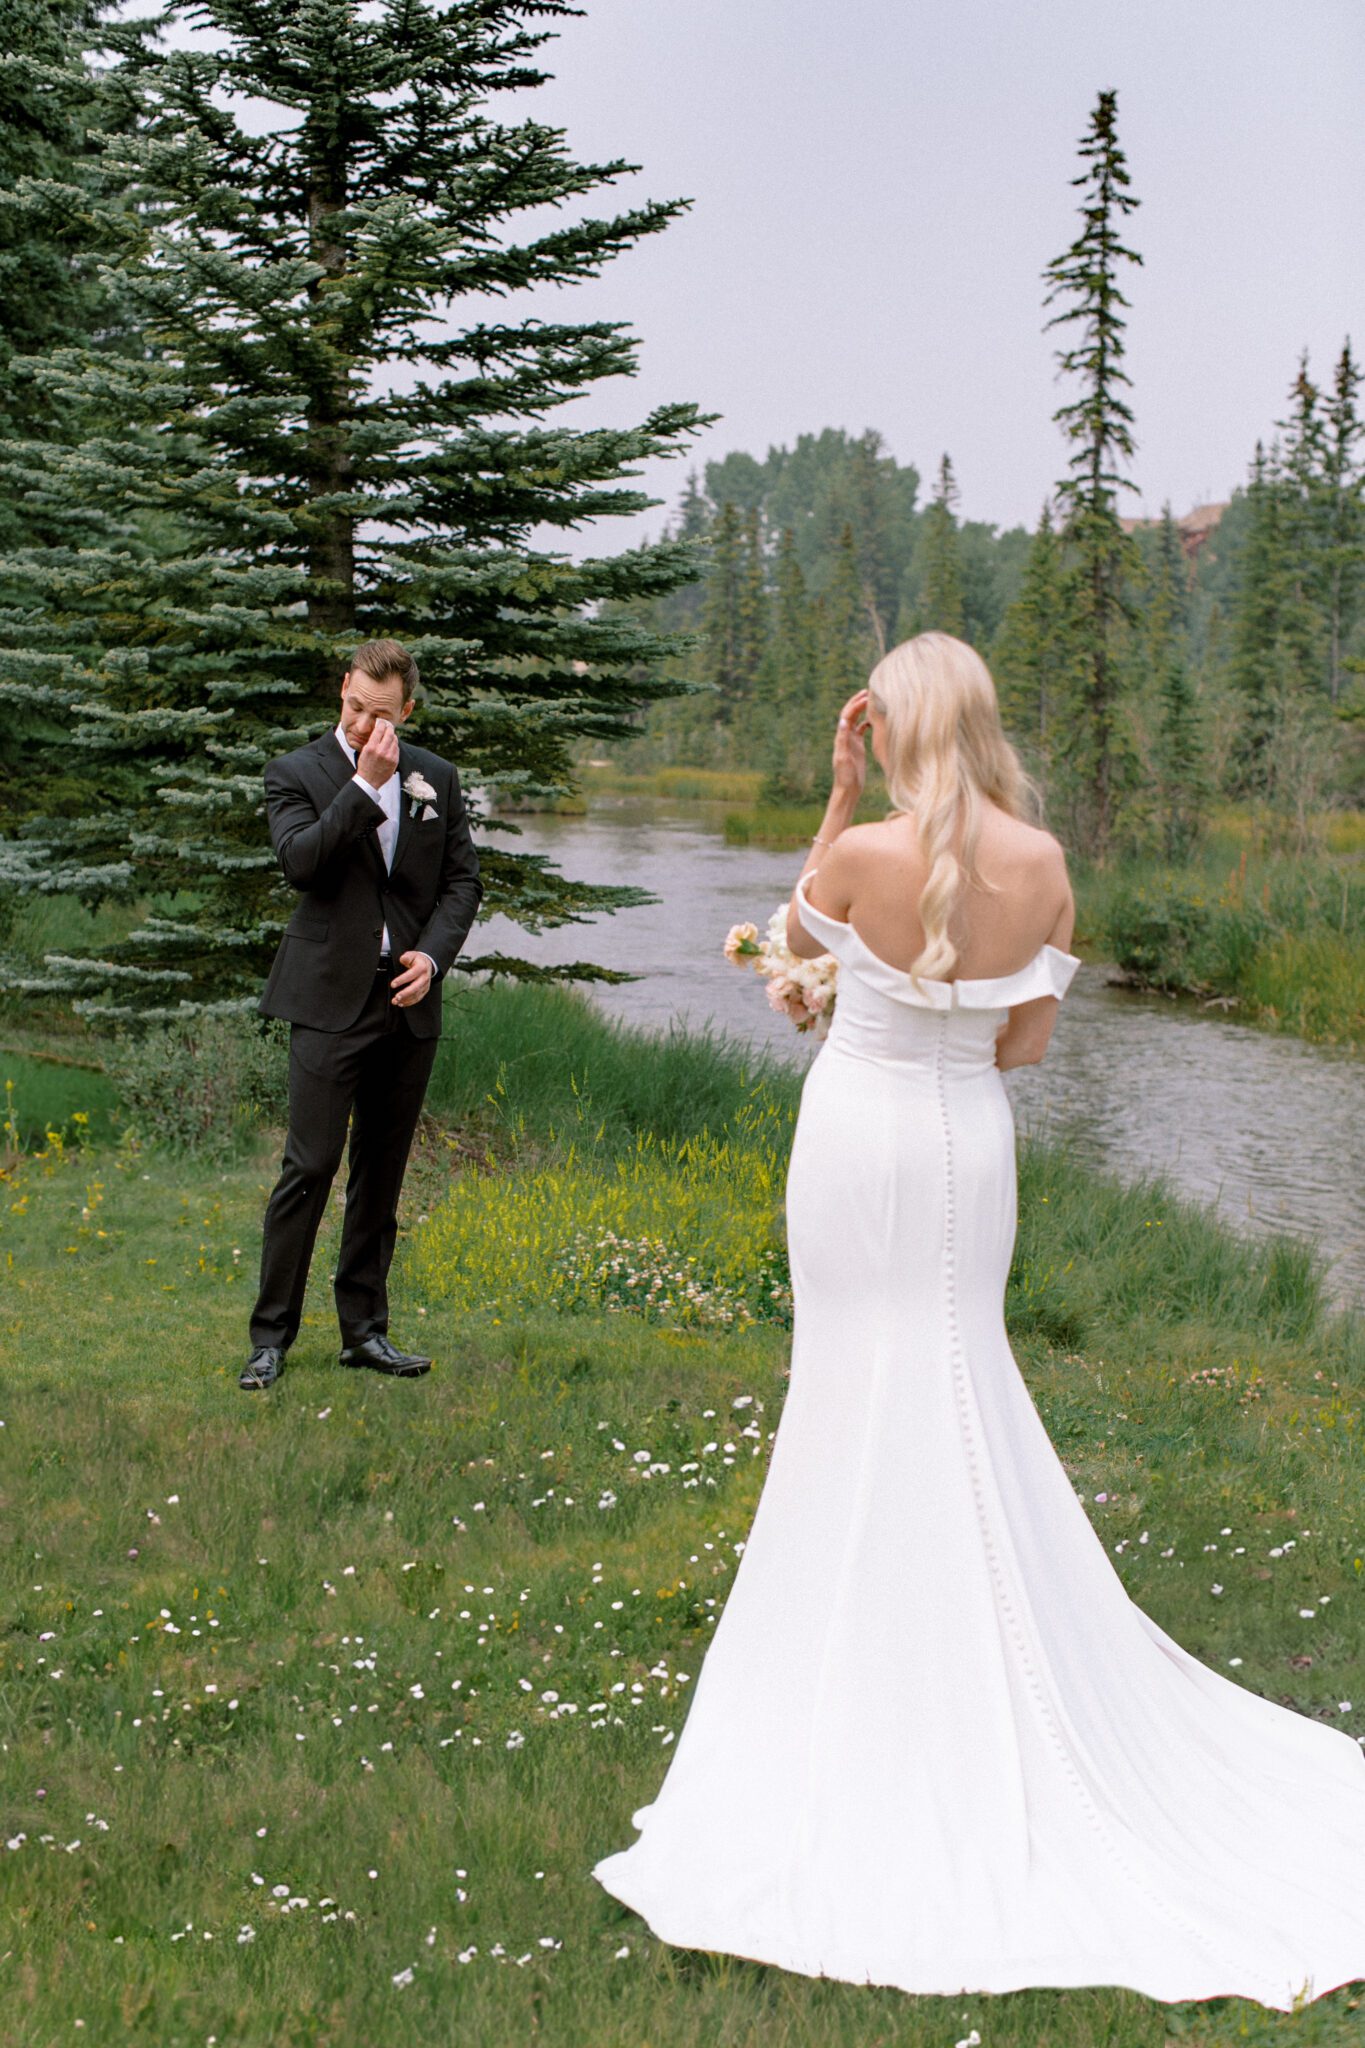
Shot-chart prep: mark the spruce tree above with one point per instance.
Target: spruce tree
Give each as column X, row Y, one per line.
column 1301, row 460
column 1182, row 788
column 1033, row 656
column 866, row 497
column 1259, row 599
column 1343, row 483
column 1276, row 641
column 1102, row 558
column 343, row 445
column 753, row 608
column 845, row 645
column 1167, row 612
column 941, row 606
column 788, row 683
column 1182, row 781
column 53, row 94
column 728, row 618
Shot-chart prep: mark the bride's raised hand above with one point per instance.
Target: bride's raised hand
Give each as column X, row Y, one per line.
column 850, row 749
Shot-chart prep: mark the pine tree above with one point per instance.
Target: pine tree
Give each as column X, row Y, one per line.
column 866, row 496
column 1167, row 612
column 1033, row 656
column 753, row 608
column 1275, row 646
column 1343, row 482
column 724, row 623
column 50, row 291
column 941, row 607
column 331, row 468
column 789, row 684
column 845, row 649
column 1254, row 618
column 52, row 236
column 1102, row 556
column 1301, row 460
column 1181, row 790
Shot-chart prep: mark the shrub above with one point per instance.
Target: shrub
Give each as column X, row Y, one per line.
column 1174, row 933
column 202, row 1085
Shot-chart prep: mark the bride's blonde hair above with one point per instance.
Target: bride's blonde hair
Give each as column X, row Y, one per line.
column 945, row 750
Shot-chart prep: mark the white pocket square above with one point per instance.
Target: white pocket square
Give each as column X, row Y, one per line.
column 429, row 812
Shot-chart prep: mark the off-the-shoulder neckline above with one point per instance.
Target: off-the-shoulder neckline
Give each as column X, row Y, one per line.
column 929, row 980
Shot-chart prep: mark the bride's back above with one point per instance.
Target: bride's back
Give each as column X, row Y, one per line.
column 996, row 930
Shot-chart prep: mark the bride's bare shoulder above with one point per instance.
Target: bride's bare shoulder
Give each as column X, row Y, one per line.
column 1020, row 840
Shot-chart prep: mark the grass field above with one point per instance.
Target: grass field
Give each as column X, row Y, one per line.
column 317, row 1707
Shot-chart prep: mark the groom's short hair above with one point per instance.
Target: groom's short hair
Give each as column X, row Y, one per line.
column 380, row 658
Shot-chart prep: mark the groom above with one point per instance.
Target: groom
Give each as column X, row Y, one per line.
column 372, row 833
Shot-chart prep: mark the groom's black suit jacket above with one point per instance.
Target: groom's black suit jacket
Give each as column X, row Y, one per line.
column 325, row 828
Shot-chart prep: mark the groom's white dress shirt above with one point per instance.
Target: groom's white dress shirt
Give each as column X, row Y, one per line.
column 388, row 796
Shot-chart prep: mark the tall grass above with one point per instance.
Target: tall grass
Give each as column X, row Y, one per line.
column 1281, row 938
column 710, row 785
column 776, row 825
column 539, row 1060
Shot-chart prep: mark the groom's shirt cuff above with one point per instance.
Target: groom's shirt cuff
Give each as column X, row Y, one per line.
column 368, row 788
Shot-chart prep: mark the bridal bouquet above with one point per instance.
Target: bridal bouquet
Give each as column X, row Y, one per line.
column 800, row 989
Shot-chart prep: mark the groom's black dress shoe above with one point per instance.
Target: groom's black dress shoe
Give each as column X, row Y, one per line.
column 376, row 1351
column 263, row 1368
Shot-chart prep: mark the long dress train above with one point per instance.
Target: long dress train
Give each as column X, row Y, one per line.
column 933, row 1742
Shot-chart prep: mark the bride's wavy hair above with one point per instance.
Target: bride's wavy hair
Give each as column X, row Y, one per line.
column 945, row 750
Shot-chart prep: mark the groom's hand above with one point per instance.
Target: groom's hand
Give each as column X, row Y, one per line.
column 411, row 986
column 378, row 758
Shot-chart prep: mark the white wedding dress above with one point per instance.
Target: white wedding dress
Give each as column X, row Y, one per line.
column 933, row 1742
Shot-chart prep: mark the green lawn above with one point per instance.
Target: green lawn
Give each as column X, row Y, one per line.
column 318, row 1706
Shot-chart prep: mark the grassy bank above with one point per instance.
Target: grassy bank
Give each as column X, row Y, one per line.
column 317, row 1707
column 710, row 785
column 777, row 825
column 1277, row 939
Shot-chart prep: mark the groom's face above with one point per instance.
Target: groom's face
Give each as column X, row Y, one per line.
column 366, row 699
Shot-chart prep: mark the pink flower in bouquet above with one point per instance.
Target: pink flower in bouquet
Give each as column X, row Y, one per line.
column 802, row 990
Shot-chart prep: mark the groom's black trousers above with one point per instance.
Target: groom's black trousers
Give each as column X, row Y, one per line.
column 376, row 1073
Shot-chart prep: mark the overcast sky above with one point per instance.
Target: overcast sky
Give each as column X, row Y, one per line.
column 878, row 186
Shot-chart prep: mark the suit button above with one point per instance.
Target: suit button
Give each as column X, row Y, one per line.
column 378, row 932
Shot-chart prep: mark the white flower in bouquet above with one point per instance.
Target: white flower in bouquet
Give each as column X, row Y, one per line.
column 803, row 990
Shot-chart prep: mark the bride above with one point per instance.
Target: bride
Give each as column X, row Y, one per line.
column 934, row 1743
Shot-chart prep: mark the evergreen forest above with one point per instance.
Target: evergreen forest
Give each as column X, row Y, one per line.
column 1240, row 674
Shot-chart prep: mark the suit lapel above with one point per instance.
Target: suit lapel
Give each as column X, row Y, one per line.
column 406, row 821
column 334, row 758
column 337, row 763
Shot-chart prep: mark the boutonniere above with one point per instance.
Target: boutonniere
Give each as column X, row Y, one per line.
column 421, row 792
